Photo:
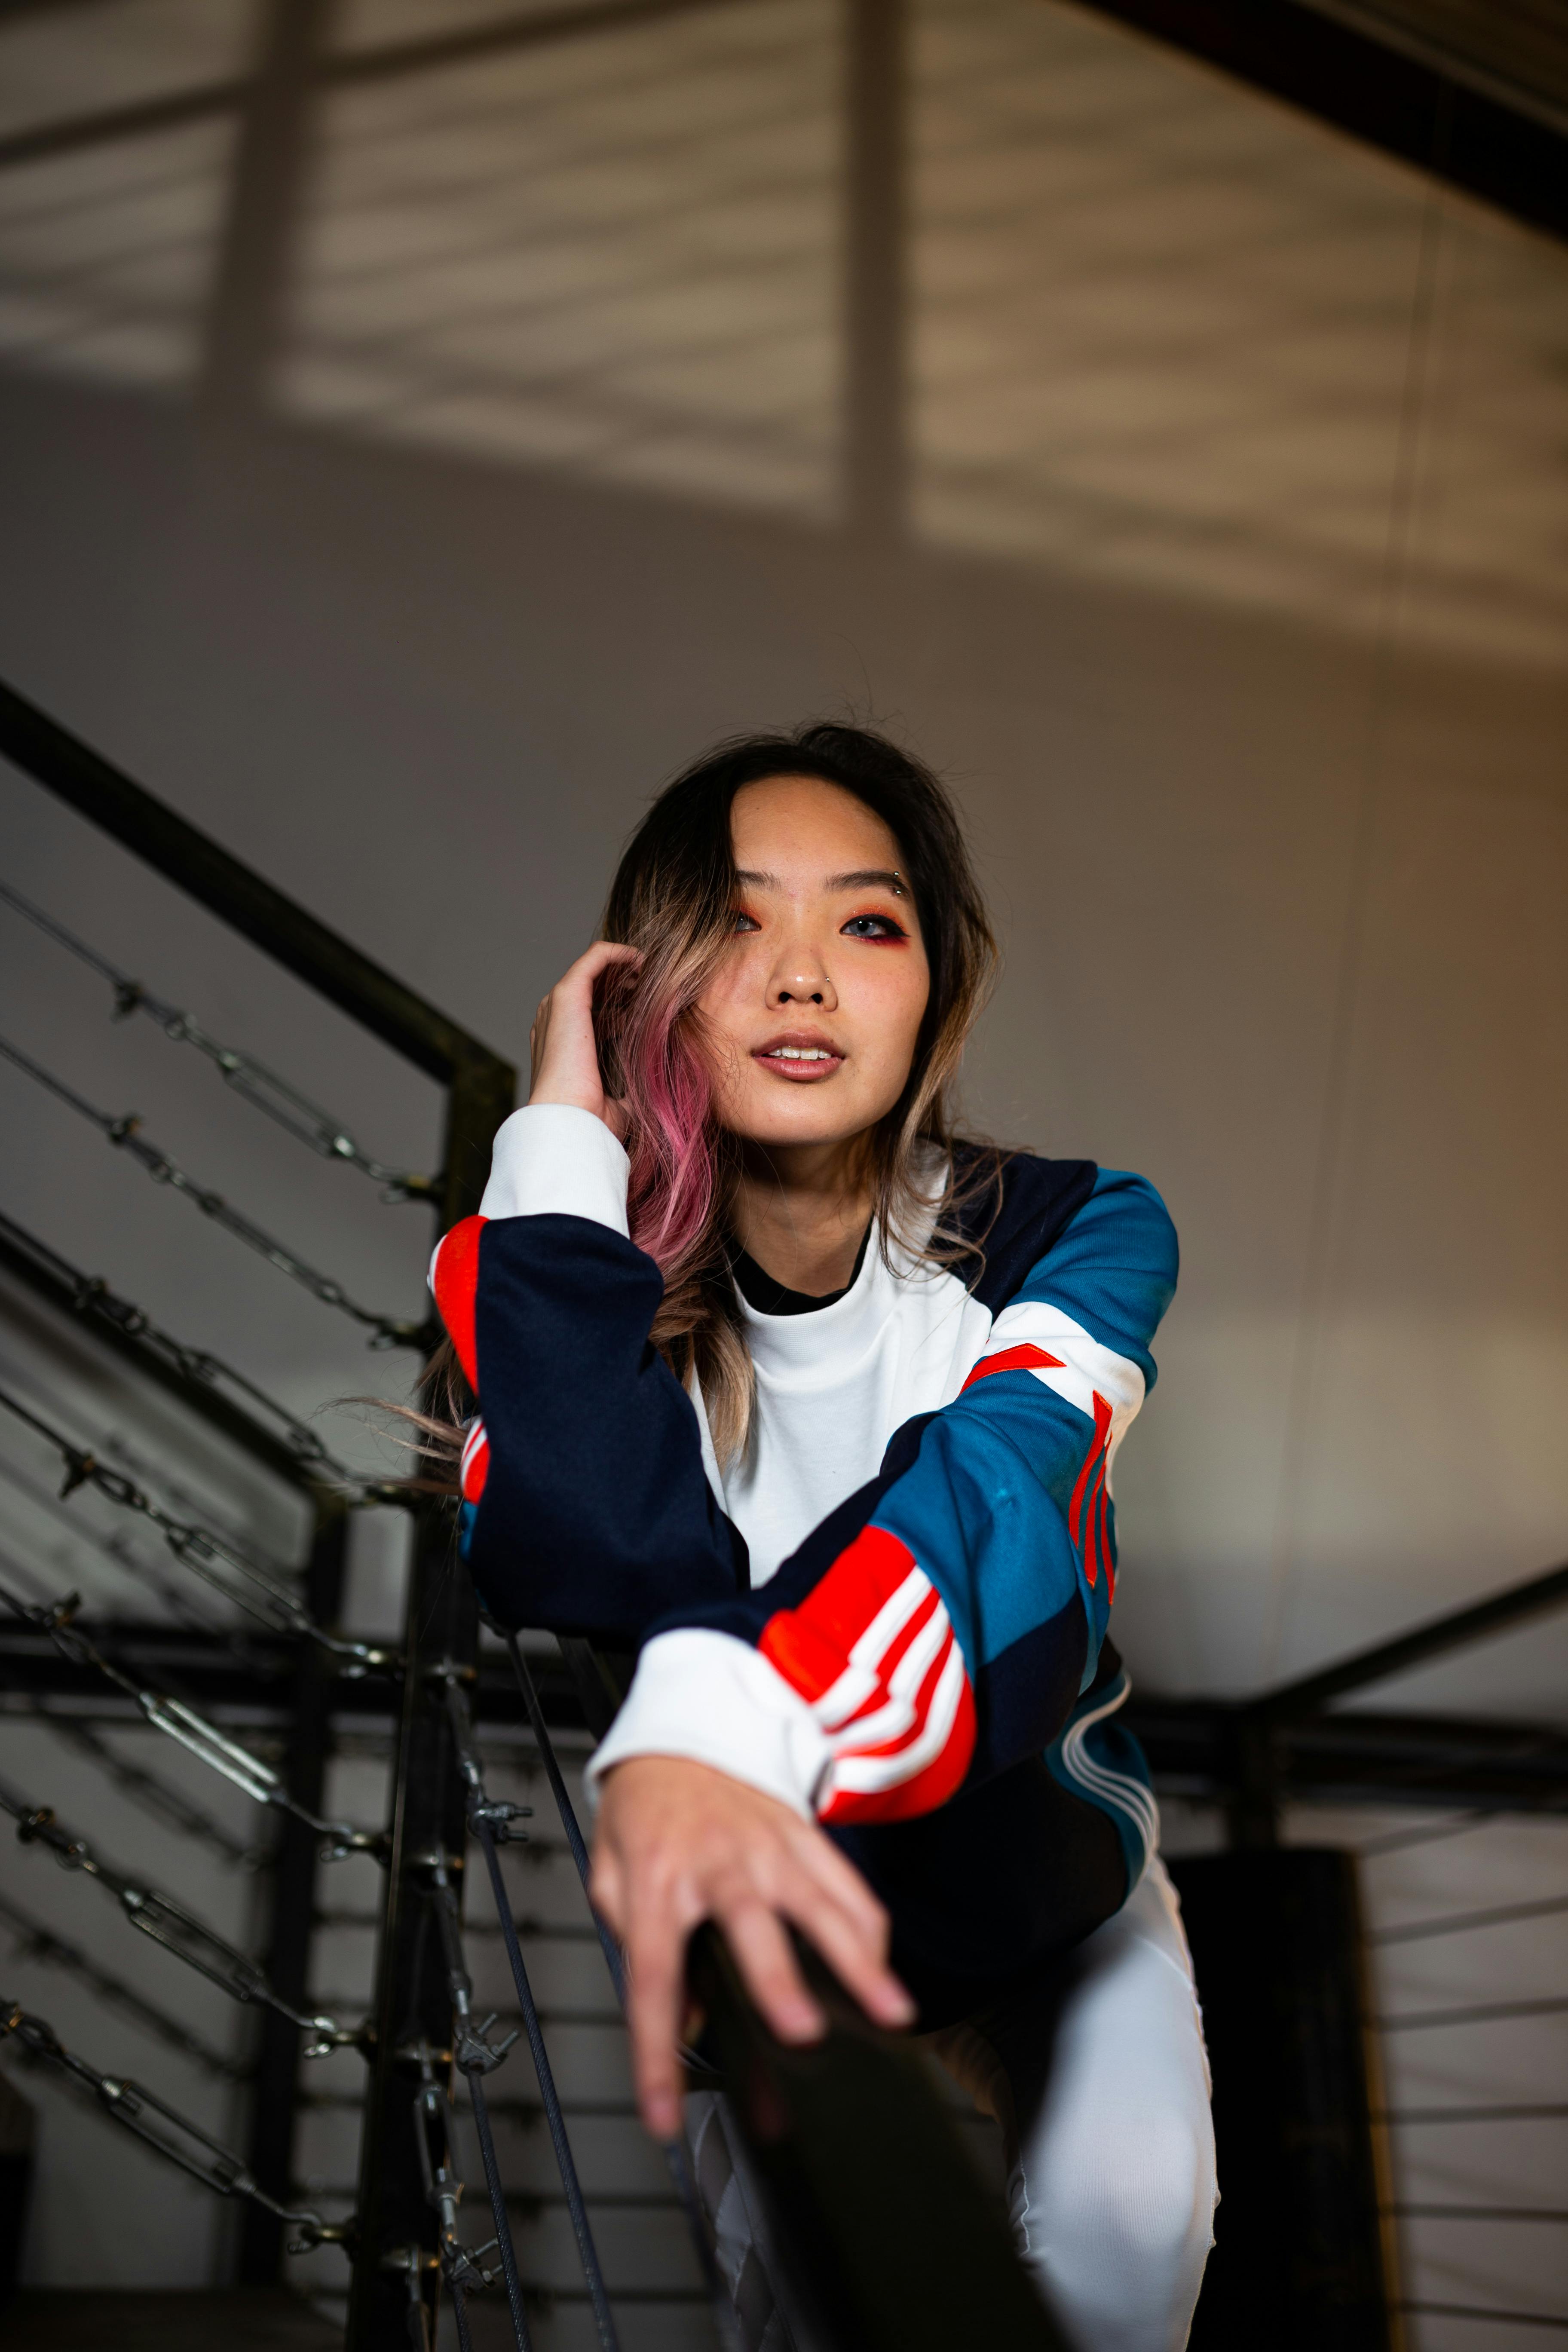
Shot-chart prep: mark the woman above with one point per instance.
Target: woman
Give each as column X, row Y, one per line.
column 817, row 1405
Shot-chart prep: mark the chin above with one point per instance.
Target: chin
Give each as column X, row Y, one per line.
column 798, row 1119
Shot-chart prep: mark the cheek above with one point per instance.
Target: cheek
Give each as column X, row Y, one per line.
column 891, row 987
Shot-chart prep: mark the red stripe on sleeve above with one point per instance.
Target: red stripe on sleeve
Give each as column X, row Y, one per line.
column 454, row 1283
column 890, row 1656
column 1025, row 1359
column 475, row 1464
column 939, row 1780
column 810, row 1646
column 1093, row 1522
column 1102, row 1433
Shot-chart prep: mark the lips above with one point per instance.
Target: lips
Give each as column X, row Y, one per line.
column 799, row 1056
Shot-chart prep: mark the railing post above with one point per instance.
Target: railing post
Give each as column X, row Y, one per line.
column 414, row 2001
column 1299, row 2259
column 276, row 2092
column 1255, row 1805
column 397, row 2226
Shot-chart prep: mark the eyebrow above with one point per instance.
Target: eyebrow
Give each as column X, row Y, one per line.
column 865, row 877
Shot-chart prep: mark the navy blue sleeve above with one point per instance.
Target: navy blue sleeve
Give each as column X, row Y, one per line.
column 586, row 1506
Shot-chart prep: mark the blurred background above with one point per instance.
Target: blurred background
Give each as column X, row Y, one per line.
column 423, row 425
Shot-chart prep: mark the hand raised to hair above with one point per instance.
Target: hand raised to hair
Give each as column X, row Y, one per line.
column 678, row 1842
column 562, row 1045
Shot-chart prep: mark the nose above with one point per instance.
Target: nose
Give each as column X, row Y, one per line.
column 801, row 977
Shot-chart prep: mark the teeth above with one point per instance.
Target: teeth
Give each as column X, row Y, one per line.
column 798, row 1054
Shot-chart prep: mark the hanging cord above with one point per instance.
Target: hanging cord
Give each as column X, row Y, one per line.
column 490, row 1822
column 202, row 1551
column 249, row 1078
column 179, row 1931
column 563, row 1804
column 33, row 1940
column 202, row 2156
column 677, row 2155
column 92, row 1298
column 126, row 1135
column 476, row 2057
column 192, row 1730
column 462, row 2267
column 1304, row 1387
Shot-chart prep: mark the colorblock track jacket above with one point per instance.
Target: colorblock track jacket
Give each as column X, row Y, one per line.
column 892, row 1612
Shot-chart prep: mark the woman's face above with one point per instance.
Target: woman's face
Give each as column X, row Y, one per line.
column 814, row 1014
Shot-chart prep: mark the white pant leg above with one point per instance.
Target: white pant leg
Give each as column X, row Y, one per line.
column 1114, row 2190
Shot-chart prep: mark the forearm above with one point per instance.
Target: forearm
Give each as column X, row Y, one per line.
column 590, row 1510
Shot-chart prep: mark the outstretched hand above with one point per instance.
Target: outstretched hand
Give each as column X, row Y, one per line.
column 563, row 1048
column 678, row 1842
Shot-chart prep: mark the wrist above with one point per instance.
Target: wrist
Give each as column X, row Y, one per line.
column 549, row 1094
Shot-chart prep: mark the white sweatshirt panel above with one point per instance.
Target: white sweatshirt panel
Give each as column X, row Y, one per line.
column 552, row 1160
column 715, row 1700
column 831, row 1386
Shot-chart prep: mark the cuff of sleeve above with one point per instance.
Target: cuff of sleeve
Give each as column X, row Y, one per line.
column 715, row 1700
column 552, row 1159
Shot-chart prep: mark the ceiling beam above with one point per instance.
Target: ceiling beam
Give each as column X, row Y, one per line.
column 1424, row 108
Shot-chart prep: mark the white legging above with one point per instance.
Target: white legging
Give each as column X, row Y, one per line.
column 1097, row 2079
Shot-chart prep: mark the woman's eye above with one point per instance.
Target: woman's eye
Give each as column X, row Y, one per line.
column 873, row 927
column 742, row 921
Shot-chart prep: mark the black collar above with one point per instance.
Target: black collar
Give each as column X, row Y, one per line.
column 759, row 1290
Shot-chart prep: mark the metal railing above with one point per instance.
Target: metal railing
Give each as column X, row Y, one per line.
column 1287, row 1746
column 394, row 2235
column 858, row 2093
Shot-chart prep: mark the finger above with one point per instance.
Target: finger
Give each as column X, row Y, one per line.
column 606, row 1888
column 581, row 976
column 768, row 1967
column 656, row 1997
column 840, row 1882
column 856, row 1958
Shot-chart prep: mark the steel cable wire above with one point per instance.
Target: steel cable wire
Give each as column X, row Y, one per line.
column 168, row 1923
column 132, row 2105
column 125, row 1134
column 1485, row 2311
column 179, row 1602
column 565, row 1806
column 145, row 1790
column 487, row 1819
column 34, row 1939
column 92, row 1297
column 200, row 1549
column 250, row 1080
column 191, row 1731
column 676, row 2155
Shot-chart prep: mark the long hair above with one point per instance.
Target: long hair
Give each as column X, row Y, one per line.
column 673, row 897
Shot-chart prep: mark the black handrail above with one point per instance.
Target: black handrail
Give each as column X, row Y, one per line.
column 281, row 929
column 1496, row 1614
